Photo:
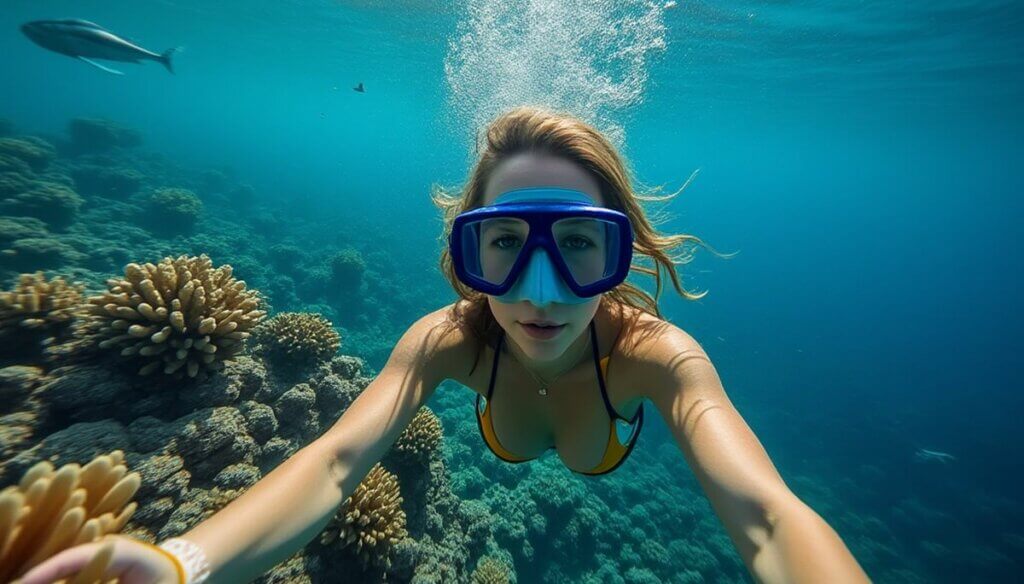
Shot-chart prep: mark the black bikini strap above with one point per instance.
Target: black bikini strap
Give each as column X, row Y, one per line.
column 600, row 377
column 494, row 367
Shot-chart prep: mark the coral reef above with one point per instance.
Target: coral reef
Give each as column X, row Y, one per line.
column 51, row 510
column 34, row 253
column 95, row 135
column 35, row 152
column 180, row 316
column 36, row 313
column 491, row 571
column 172, row 210
column 296, row 340
column 346, row 270
column 371, row 519
column 421, row 437
column 54, row 203
column 106, row 181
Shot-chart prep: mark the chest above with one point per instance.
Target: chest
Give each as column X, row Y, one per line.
column 572, row 418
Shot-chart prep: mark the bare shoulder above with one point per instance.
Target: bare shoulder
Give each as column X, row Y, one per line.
column 436, row 343
column 660, row 355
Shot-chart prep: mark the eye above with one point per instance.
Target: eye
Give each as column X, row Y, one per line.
column 506, row 242
column 577, row 242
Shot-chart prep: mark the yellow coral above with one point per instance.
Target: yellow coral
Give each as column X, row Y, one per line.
column 181, row 316
column 297, row 337
column 491, row 571
column 52, row 510
column 38, row 305
column 422, row 436
column 371, row 519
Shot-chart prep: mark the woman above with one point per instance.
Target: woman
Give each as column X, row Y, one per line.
column 562, row 354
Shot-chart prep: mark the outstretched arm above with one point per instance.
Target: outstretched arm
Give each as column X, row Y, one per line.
column 287, row 508
column 779, row 537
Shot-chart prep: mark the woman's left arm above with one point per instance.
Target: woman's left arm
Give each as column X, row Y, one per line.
column 779, row 537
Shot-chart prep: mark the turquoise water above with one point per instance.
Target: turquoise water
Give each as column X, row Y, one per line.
column 862, row 157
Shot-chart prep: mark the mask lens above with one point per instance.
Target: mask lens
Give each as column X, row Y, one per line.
column 590, row 247
column 491, row 246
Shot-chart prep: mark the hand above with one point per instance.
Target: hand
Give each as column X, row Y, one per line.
column 133, row 562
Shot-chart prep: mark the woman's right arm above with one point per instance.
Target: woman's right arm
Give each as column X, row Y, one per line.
column 287, row 508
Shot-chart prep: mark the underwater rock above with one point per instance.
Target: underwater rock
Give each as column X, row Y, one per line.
column 95, row 135
column 21, row 414
column 34, row 253
column 12, row 228
column 54, row 203
column 35, row 152
column 116, row 182
column 171, row 211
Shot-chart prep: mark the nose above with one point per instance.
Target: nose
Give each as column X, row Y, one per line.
column 540, row 282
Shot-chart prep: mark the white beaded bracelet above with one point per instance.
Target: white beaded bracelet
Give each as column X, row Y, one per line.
column 192, row 558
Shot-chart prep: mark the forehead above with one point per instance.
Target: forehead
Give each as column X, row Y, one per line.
column 536, row 169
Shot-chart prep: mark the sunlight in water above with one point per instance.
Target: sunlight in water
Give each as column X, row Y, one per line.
column 589, row 57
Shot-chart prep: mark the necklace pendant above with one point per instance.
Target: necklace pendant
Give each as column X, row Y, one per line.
column 543, row 390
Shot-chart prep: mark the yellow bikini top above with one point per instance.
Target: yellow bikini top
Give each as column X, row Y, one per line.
column 615, row 451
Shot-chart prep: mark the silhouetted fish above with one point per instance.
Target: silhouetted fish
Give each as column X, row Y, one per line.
column 359, row 88
column 86, row 41
column 924, row 455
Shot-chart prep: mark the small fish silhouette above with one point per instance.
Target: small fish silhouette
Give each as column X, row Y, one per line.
column 359, row 88
column 924, row 455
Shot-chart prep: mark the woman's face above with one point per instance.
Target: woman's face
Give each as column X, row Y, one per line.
column 532, row 169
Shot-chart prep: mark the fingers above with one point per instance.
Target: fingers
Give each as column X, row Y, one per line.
column 67, row 563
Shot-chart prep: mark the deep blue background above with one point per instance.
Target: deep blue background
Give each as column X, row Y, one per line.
column 864, row 159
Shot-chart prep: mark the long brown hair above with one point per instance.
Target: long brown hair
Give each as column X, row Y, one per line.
column 536, row 129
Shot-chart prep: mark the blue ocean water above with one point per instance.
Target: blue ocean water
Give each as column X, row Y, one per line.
column 862, row 157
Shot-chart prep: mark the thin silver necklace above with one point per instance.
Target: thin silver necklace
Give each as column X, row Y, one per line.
column 544, row 385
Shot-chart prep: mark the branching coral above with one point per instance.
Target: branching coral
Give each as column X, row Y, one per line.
column 297, row 338
column 52, row 510
column 491, row 571
column 172, row 210
column 37, row 308
column 371, row 519
column 98, row 135
column 181, row 316
column 422, row 436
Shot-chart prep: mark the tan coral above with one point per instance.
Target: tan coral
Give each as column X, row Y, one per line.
column 181, row 316
column 297, row 337
column 52, row 510
column 491, row 571
column 38, row 306
column 371, row 520
column 422, row 436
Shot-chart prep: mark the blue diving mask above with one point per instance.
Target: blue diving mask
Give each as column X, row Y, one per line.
column 542, row 244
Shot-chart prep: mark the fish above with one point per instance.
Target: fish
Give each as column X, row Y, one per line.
column 924, row 455
column 359, row 88
column 84, row 40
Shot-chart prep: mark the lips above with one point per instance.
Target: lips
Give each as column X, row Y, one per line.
column 542, row 329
